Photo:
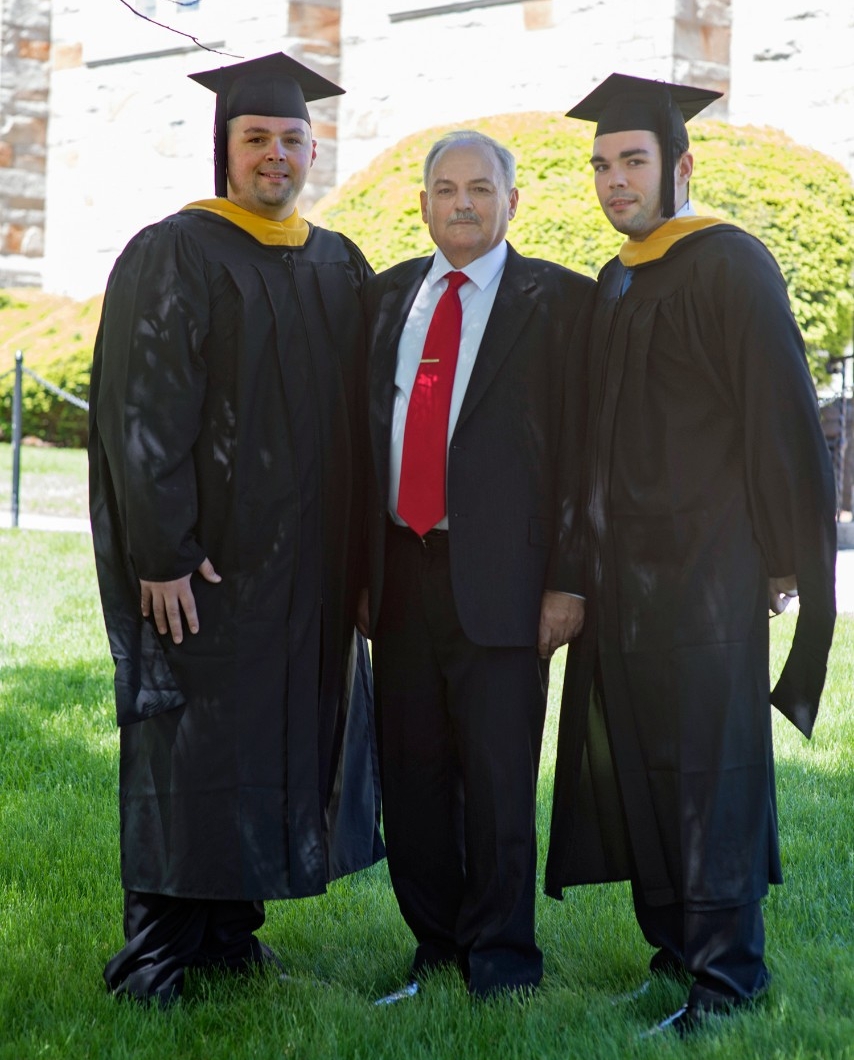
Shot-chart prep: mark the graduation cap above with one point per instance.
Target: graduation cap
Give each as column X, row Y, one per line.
column 622, row 103
column 275, row 86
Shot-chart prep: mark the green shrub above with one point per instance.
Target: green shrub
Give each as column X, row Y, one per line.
column 56, row 336
column 798, row 201
column 44, row 415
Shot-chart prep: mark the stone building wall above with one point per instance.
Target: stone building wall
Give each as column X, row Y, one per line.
column 793, row 69
column 412, row 64
column 24, row 101
column 130, row 138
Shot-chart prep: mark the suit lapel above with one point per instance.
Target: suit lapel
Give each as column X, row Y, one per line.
column 514, row 303
column 392, row 311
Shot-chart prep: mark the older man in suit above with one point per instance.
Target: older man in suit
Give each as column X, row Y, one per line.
column 475, row 354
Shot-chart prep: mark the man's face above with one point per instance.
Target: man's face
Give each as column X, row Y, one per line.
column 627, row 172
column 268, row 163
column 467, row 205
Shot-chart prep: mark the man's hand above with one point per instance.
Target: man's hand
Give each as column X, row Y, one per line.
column 561, row 619
column 780, row 592
column 166, row 601
column 363, row 613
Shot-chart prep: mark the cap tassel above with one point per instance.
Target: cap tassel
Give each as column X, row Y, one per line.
column 668, row 162
column 221, row 146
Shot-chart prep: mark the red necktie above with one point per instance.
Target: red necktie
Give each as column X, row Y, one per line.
column 421, row 500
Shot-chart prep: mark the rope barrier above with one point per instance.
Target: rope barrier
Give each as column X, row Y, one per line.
column 17, row 416
column 79, row 402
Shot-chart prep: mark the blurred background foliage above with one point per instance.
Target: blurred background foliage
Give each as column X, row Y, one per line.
column 799, row 202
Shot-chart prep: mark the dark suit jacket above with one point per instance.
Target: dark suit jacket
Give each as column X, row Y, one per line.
column 514, row 459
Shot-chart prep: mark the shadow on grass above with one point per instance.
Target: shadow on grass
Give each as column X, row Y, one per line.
column 58, row 818
column 61, row 902
column 57, row 728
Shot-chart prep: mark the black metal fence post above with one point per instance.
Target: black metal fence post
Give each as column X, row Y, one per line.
column 16, row 435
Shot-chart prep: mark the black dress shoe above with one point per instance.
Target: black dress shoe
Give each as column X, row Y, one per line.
column 705, row 1007
column 683, row 1022
column 405, row 992
column 267, row 958
column 662, row 963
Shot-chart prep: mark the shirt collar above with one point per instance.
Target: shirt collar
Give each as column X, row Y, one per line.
column 482, row 271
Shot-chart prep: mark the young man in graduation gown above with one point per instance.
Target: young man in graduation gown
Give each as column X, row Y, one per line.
column 226, row 514
column 710, row 498
column 475, row 441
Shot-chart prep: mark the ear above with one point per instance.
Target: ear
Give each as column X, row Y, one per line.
column 514, row 203
column 424, row 207
column 684, row 168
column 313, row 151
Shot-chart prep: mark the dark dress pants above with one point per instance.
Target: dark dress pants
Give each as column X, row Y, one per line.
column 723, row 949
column 459, row 730
column 166, row 935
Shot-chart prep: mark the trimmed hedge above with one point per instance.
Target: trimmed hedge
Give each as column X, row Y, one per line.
column 56, row 336
column 798, row 201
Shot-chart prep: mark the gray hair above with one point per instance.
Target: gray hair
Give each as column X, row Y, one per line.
column 470, row 136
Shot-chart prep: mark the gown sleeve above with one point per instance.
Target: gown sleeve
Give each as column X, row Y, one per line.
column 789, row 474
column 151, row 390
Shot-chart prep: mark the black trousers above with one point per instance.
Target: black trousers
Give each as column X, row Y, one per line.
column 723, row 949
column 166, row 935
column 459, row 731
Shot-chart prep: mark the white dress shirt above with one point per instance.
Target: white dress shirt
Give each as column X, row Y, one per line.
column 476, row 298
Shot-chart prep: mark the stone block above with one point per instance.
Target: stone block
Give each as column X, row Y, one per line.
column 32, row 244
column 538, row 14
column 324, row 130
column 24, row 130
column 10, row 276
column 696, row 40
column 26, row 14
column 714, row 12
column 709, row 75
column 318, row 48
column 7, row 155
column 25, row 75
column 67, row 56
column 24, row 217
column 711, row 12
column 13, row 236
column 33, row 206
column 319, row 22
column 38, row 50
column 19, row 188
column 32, row 104
column 323, row 170
column 31, row 161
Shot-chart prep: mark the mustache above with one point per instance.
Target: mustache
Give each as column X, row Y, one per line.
column 464, row 215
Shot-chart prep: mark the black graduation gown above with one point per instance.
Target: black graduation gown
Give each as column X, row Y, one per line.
column 708, row 473
column 225, row 396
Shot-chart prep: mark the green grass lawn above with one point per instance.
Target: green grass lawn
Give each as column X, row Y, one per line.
column 60, row 896
column 53, row 481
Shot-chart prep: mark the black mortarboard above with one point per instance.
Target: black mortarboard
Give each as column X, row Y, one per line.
column 275, row 86
column 621, row 103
